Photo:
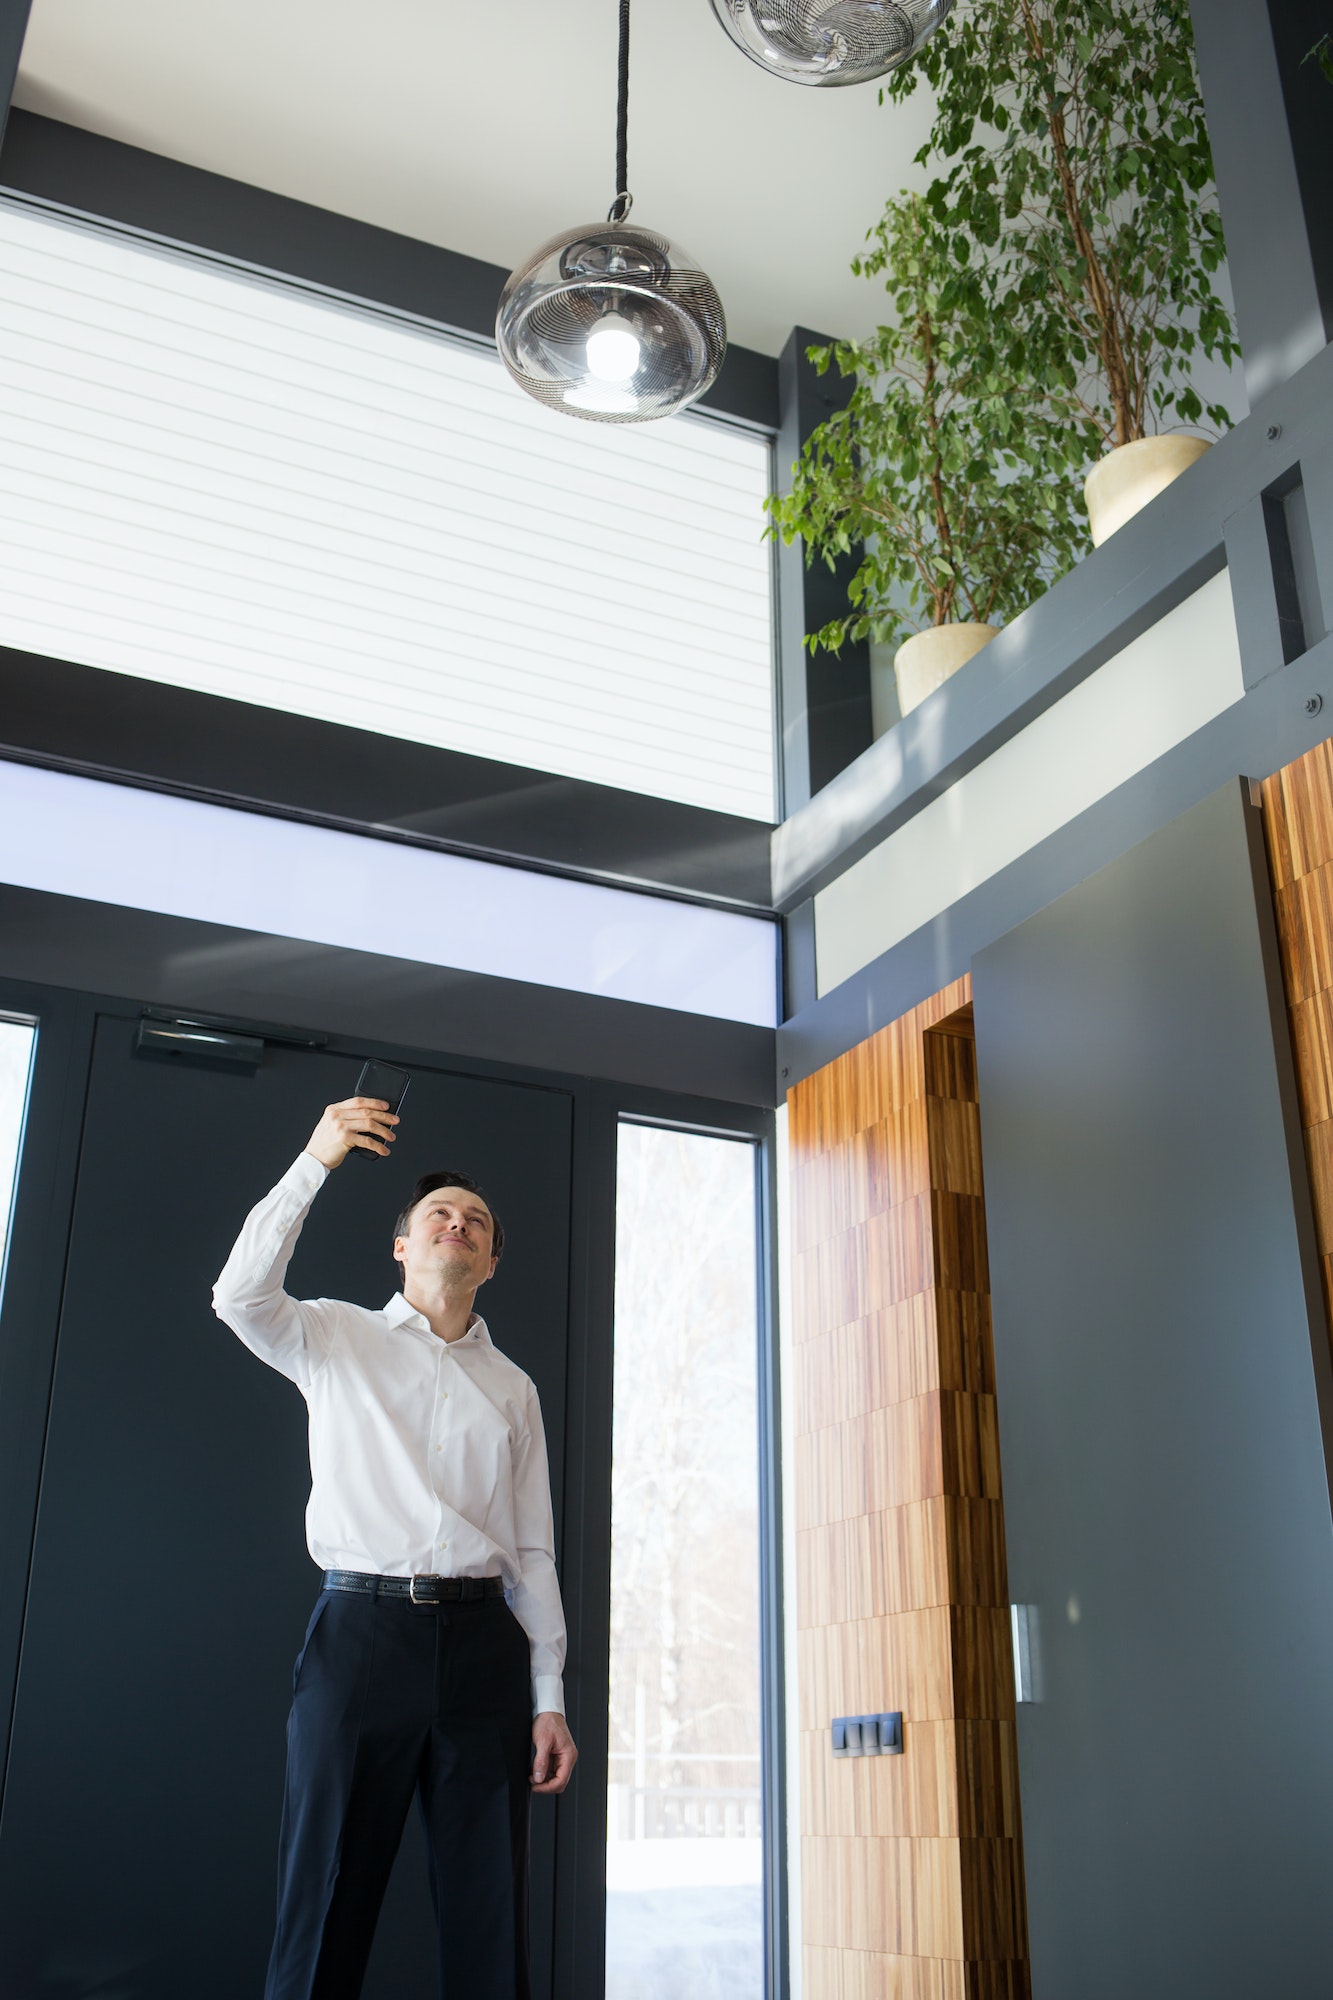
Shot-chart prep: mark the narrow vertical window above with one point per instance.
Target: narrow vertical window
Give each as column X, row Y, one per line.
column 17, row 1041
column 685, row 1862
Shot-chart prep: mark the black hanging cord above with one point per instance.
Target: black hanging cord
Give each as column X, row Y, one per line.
column 624, row 200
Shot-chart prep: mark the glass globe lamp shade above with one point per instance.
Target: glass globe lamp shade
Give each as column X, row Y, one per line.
column 613, row 323
column 830, row 41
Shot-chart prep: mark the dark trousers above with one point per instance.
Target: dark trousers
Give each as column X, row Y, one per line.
column 393, row 1699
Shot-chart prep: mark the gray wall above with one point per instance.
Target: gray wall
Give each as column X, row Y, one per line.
column 1160, row 1382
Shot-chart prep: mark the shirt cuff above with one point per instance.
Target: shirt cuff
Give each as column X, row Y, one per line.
column 548, row 1695
column 306, row 1173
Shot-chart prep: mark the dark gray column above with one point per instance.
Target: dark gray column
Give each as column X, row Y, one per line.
column 824, row 699
column 13, row 27
column 1308, row 97
column 1162, row 1378
column 1270, row 118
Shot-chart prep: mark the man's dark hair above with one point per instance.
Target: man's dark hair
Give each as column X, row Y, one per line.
column 428, row 1185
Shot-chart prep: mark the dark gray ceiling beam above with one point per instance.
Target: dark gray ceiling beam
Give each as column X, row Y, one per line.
column 1112, row 596
column 188, row 966
column 100, row 724
column 1270, row 120
column 13, row 27
column 1256, row 736
column 50, row 161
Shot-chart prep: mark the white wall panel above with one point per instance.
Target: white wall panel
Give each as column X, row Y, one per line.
column 240, row 487
column 1178, row 675
column 149, row 851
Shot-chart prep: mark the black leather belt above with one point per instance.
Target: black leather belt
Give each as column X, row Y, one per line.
column 416, row 1589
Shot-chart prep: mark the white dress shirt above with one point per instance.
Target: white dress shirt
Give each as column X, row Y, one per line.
column 427, row 1457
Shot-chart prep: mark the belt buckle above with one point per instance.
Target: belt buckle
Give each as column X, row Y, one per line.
column 412, row 1593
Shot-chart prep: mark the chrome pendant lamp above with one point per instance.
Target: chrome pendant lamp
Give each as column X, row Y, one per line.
column 611, row 321
column 830, row 41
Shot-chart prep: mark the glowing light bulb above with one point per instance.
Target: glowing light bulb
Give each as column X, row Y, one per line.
column 613, row 350
column 599, row 399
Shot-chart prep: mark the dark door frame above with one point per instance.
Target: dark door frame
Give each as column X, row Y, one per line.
column 29, row 1319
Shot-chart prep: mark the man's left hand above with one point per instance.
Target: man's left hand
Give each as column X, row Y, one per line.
column 554, row 1753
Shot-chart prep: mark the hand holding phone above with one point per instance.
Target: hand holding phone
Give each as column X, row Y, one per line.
column 382, row 1080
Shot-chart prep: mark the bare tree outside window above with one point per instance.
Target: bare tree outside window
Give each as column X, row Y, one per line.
column 684, row 1843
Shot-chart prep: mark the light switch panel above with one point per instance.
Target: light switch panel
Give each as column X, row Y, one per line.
column 868, row 1735
column 1025, row 1624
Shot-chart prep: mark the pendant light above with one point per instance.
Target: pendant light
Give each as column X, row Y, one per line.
column 611, row 321
column 830, row 41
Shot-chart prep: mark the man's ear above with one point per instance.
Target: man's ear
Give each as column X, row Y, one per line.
column 399, row 1252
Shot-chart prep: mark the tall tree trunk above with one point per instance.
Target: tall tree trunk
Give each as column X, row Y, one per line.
column 1116, row 369
column 942, row 593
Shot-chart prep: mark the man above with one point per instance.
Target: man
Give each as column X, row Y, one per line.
column 430, row 1513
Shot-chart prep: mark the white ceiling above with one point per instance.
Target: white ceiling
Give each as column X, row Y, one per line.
column 486, row 127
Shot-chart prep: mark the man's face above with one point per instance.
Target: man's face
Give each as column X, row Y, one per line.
column 450, row 1235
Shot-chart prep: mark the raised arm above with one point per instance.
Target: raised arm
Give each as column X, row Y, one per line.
column 290, row 1334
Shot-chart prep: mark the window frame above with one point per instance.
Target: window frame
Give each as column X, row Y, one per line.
column 581, row 1919
column 330, row 773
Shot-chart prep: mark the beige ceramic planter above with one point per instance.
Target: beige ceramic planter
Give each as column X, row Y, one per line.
column 925, row 661
column 1133, row 474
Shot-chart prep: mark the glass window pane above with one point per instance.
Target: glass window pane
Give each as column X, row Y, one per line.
column 74, row 836
column 17, row 1041
column 684, row 1867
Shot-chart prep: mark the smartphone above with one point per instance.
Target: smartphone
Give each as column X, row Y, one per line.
column 380, row 1079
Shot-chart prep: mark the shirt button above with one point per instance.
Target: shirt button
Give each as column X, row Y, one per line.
column 444, row 1395
column 444, row 1545
column 439, row 1447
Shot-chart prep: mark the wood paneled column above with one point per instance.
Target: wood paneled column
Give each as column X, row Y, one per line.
column 911, row 1866
column 1298, row 829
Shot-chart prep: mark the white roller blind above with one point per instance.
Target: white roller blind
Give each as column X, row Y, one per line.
column 239, row 487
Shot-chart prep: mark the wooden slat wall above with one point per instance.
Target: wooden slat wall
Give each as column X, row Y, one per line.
column 1298, row 826
column 911, row 1866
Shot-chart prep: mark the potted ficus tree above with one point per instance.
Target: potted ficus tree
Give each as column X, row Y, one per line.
column 1078, row 178
column 957, row 492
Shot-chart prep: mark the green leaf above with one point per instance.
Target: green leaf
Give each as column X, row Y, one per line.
column 955, row 469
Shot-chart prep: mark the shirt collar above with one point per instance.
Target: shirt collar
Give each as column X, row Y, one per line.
column 399, row 1313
